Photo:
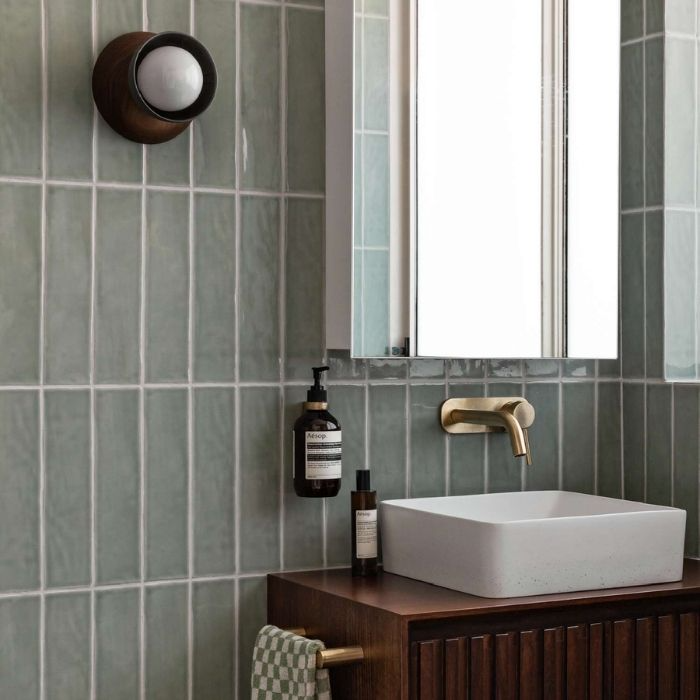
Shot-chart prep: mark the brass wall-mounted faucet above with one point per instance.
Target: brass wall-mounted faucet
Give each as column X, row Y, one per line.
column 513, row 415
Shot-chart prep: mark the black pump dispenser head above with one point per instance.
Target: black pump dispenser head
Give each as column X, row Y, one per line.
column 363, row 483
column 317, row 393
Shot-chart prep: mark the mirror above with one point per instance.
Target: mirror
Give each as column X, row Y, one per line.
column 473, row 178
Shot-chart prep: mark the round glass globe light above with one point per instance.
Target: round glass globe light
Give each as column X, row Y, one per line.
column 170, row 78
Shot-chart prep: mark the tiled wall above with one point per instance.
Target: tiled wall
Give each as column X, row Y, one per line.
column 159, row 309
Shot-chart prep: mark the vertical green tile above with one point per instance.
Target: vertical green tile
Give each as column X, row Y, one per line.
column 376, row 317
column 632, row 127
column 380, row 368
column 214, row 491
column 20, row 283
column 504, row 470
column 67, row 302
column 252, row 616
column 306, row 108
column 20, row 86
column 686, row 454
column 214, row 288
column 633, row 398
column 67, row 487
column 117, row 645
column 609, row 440
column 70, row 105
column 466, row 451
column 659, row 444
column 303, row 517
column 632, row 295
column 166, row 643
column 19, row 648
column 579, row 437
column 679, row 118
column 468, row 369
column 541, row 368
column 118, row 280
column 169, row 163
column 655, row 19
column 632, row 23
column 68, row 647
column 118, row 490
column 387, row 440
column 375, row 184
column 259, row 331
column 304, row 297
column 345, row 367
column 655, row 294
column 348, row 405
column 543, row 474
column 376, row 74
column 504, row 368
column 167, row 291
column 654, row 127
column 166, row 483
column 259, row 534
column 214, row 643
column 426, row 369
column 578, row 368
column 19, row 496
column 215, row 130
column 427, row 441
column 119, row 160
column 358, row 306
column 260, row 97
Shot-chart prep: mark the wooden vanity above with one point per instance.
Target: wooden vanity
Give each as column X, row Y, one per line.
column 422, row 642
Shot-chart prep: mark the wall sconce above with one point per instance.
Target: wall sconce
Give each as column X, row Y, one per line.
column 149, row 87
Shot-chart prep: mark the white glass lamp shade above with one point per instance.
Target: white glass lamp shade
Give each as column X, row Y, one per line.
column 170, row 78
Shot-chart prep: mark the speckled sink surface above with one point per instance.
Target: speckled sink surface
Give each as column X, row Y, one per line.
column 503, row 545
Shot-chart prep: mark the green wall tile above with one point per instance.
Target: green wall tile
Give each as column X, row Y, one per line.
column 655, row 20
column 304, row 295
column 19, row 648
column 21, row 89
column 303, row 517
column 609, row 440
column 375, row 182
column 67, row 647
column 658, row 447
column 426, row 369
column 376, row 316
column 117, row 645
column 472, row 369
column 117, row 286
column 119, row 160
column 345, row 367
column 306, row 108
column 578, row 438
column 543, row 474
column 632, row 23
column 118, row 485
column 466, row 455
column 632, row 294
column 654, row 294
column 541, row 368
column 252, row 616
column 259, row 310
column 259, row 534
column 347, row 403
column 428, row 441
column 19, row 496
column 633, row 397
column 166, row 483
column 167, row 286
column 214, row 288
column 214, row 644
column 632, row 127
column 260, row 97
column 166, row 643
column 70, row 105
column 358, row 309
column 504, row 470
column 579, row 369
column 67, row 299
column 376, row 74
column 387, row 440
column 20, row 269
column 686, row 455
column 67, row 487
column 504, row 368
column 214, row 490
column 215, row 130
column 654, row 126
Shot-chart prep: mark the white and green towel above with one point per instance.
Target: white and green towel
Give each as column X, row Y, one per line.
column 284, row 667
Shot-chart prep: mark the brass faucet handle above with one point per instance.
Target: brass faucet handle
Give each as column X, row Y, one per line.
column 523, row 411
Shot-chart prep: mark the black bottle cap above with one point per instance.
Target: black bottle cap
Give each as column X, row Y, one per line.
column 363, row 483
column 317, row 393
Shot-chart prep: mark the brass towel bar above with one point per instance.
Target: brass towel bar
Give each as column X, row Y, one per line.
column 330, row 658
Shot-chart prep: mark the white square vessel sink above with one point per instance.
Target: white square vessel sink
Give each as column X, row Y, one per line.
column 504, row 545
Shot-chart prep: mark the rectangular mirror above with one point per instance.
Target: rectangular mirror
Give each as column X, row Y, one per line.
column 473, row 178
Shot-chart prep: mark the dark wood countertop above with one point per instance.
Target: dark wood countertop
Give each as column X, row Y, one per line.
column 415, row 600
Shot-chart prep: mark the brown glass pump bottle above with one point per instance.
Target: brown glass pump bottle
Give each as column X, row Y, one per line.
column 364, row 527
column 317, row 449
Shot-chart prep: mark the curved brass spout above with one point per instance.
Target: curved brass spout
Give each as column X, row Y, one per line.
column 512, row 415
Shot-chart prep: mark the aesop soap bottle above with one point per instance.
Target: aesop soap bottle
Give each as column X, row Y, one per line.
column 317, row 445
column 364, row 527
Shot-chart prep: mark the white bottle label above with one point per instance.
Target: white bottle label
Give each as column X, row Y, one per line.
column 323, row 453
column 366, row 534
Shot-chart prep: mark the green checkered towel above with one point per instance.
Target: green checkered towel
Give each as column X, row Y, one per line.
column 284, row 667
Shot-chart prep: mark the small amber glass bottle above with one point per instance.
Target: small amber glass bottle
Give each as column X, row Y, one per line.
column 364, row 527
